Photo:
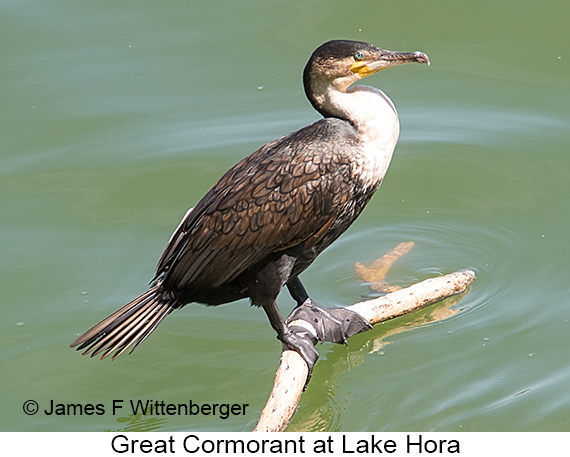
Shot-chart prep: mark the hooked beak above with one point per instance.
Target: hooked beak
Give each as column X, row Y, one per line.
column 385, row 59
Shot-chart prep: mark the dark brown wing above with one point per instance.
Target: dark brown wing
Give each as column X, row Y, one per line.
column 288, row 192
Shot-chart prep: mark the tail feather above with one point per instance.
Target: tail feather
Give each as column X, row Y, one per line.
column 129, row 326
column 121, row 333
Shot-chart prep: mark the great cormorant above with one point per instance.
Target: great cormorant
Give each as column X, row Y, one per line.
column 268, row 218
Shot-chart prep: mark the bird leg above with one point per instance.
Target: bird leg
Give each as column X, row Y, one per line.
column 297, row 290
column 308, row 323
column 264, row 290
column 335, row 325
column 311, row 323
column 298, row 339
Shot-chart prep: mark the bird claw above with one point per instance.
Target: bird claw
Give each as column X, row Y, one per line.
column 335, row 325
column 302, row 342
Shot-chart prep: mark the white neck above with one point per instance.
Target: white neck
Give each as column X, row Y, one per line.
column 375, row 118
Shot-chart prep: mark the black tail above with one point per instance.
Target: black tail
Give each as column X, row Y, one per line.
column 129, row 326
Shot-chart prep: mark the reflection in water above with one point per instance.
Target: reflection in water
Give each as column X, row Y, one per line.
column 139, row 423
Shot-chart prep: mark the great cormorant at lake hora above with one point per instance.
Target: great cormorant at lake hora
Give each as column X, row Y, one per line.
column 268, row 218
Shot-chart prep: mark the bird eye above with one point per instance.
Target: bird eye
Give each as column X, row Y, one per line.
column 358, row 55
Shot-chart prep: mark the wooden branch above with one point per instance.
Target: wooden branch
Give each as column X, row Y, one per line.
column 288, row 386
column 415, row 297
column 292, row 373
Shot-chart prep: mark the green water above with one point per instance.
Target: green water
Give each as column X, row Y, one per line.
column 117, row 116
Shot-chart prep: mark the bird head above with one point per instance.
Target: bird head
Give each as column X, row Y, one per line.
column 339, row 63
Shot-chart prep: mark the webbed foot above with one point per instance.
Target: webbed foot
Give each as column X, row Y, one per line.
column 330, row 324
column 303, row 342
